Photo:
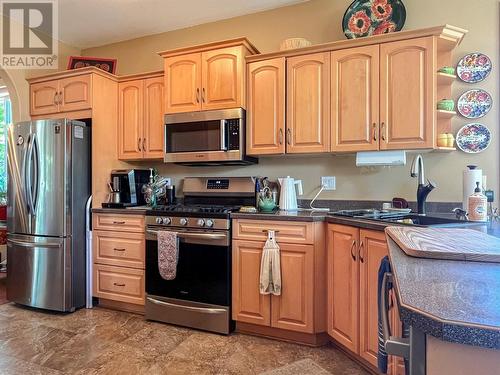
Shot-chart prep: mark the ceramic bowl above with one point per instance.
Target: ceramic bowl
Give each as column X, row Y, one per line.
column 442, row 140
column 446, row 105
column 267, row 205
column 447, row 70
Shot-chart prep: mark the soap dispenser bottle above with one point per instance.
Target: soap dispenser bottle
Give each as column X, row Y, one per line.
column 478, row 205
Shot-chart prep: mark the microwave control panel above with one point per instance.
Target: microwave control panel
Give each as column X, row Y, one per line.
column 233, row 134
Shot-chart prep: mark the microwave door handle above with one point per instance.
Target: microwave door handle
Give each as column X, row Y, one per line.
column 223, row 135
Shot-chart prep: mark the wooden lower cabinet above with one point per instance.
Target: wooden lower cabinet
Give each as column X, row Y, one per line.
column 343, row 290
column 118, row 248
column 249, row 305
column 301, row 305
column 354, row 257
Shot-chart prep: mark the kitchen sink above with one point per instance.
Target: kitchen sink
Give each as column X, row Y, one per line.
column 431, row 221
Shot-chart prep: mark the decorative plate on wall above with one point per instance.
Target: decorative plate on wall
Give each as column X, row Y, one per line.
column 474, row 67
column 373, row 17
column 474, row 103
column 473, row 138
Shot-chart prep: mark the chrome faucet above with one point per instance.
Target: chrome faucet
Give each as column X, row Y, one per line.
column 423, row 190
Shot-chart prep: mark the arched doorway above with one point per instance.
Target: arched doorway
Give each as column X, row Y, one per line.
column 9, row 104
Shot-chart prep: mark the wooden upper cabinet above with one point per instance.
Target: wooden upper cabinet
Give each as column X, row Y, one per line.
column 266, row 107
column 343, row 285
column 130, row 119
column 75, row 93
column 154, row 110
column 222, row 78
column 373, row 247
column 293, row 309
column 44, row 98
column 183, row 83
column 308, row 103
column 355, row 99
column 249, row 305
column 407, row 94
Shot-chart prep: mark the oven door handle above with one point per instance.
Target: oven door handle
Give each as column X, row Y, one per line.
column 208, row 236
column 189, row 308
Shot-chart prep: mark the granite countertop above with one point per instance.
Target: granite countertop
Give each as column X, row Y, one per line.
column 120, row 211
column 452, row 300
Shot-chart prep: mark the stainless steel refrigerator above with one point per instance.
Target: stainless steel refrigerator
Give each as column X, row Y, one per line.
column 48, row 188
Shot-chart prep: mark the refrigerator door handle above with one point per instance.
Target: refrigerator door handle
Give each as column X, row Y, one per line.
column 28, row 171
column 25, row 173
column 37, row 172
column 33, row 244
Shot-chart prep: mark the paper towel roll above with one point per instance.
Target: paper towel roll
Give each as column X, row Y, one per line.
column 471, row 176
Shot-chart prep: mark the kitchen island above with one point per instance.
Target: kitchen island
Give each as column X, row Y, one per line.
column 454, row 306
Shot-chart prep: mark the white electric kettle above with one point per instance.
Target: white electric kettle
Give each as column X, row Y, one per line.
column 288, row 196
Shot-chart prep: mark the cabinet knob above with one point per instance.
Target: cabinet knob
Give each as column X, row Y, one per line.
column 197, row 95
column 118, row 284
column 139, row 144
column 374, row 132
column 382, row 131
column 203, row 95
column 280, row 136
column 144, row 144
column 361, row 251
column 288, row 136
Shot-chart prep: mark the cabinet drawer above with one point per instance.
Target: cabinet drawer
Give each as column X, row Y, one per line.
column 255, row 230
column 119, row 249
column 120, row 223
column 119, row 284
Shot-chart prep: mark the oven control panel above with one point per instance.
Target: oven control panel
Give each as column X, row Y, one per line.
column 218, row 184
column 188, row 222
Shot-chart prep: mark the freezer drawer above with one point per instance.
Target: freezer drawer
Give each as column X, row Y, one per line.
column 39, row 272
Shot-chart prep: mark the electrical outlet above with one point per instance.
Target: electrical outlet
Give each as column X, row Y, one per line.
column 328, row 182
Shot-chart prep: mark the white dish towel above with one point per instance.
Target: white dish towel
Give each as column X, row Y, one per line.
column 270, row 267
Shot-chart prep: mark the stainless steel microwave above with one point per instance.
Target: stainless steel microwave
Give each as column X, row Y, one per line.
column 206, row 138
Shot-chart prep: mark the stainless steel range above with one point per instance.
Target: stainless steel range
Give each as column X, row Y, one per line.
column 200, row 295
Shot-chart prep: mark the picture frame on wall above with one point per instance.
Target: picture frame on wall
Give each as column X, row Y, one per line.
column 76, row 62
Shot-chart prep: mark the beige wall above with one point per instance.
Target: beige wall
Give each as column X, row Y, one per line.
column 319, row 21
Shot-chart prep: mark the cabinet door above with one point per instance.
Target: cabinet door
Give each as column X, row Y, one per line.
column 266, row 107
column 130, row 119
column 75, row 93
column 407, row 94
column 44, row 98
column 154, row 110
column 293, row 309
column 183, row 83
column 222, row 78
column 355, row 99
column 249, row 305
column 372, row 249
column 308, row 103
column 343, row 285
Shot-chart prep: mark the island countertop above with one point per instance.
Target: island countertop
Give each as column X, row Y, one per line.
column 455, row 301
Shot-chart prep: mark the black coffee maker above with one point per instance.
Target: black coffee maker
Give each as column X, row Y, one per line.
column 128, row 184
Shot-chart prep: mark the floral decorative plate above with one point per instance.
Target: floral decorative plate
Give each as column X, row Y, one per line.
column 474, row 103
column 373, row 17
column 474, row 67
column 473, row 138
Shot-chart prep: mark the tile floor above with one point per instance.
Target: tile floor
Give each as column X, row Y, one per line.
column 101, row 341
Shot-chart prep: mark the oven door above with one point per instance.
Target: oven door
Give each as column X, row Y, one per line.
column 203, row 268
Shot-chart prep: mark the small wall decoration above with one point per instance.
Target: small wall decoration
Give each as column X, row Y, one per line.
column 473, row 138
column 474, row 103
column 474, row 67
column 76, row 62
column 373, row 17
